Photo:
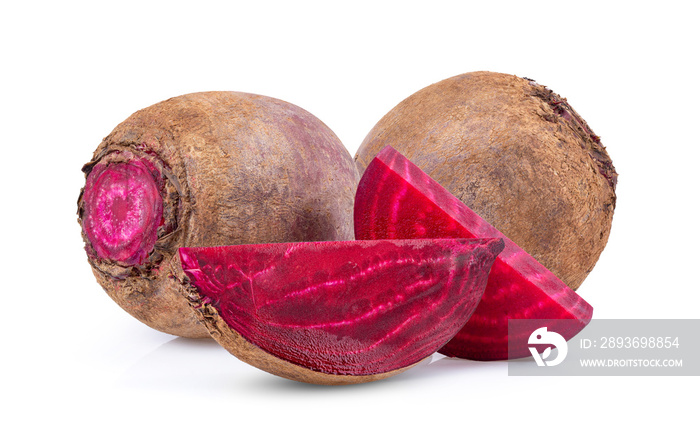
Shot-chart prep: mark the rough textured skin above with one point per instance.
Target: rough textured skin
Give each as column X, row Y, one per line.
column 254, row 356
column 518, row 155
column 338, row 312
column 235, row 168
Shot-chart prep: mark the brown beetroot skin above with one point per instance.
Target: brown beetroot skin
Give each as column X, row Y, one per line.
column 518, row 155
column 205, row 169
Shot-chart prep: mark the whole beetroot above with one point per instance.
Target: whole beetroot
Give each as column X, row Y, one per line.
column 206, row 169
column 518, row 155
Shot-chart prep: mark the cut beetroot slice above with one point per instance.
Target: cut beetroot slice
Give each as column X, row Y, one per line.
column 395, row 199
column 338, row 311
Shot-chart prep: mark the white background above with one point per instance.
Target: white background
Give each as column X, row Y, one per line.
column 71, row 71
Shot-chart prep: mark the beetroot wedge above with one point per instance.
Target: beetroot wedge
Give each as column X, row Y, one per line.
column 338, row 312
column 395, row 199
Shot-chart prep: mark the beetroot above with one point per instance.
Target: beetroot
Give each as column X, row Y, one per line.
column 205, row 169
column 516, row 153
column 338, row 312
column 395, row 199
column 123, row 210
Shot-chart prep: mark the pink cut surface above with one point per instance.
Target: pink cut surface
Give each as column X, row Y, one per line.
column 122, row 211
column 395, row 200
column 345, row 307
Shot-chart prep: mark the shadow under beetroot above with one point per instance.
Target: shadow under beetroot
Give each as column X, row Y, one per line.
column 201, row 365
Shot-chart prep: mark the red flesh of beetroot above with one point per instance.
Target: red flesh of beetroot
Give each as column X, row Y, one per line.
column 345, row 307
column 122, row 211
column 395, row 199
